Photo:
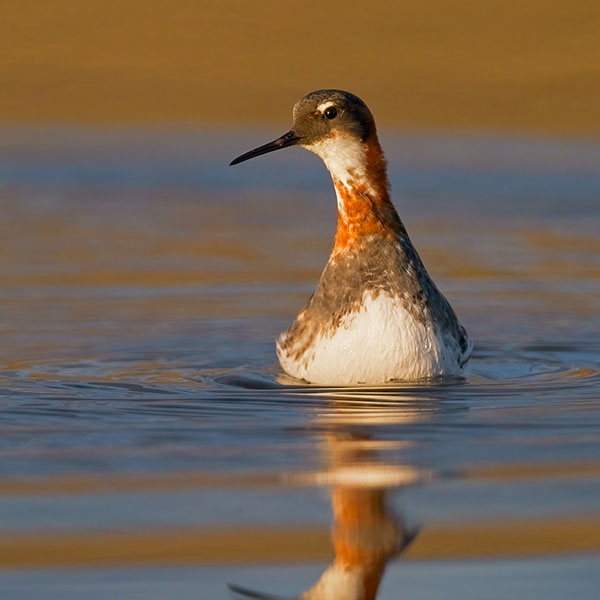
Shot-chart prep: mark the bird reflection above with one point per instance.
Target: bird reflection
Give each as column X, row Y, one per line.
column 367, row 533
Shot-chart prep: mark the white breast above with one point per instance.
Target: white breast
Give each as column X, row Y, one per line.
column 380, row 342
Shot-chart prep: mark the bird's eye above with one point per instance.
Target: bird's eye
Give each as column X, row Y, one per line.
column 331, row 112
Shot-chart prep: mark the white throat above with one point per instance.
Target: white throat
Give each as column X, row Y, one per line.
column 344, row 157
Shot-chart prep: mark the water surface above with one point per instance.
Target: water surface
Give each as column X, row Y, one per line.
column 151, row 446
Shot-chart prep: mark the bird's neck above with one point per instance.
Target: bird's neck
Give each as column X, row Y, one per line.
column 359, row 172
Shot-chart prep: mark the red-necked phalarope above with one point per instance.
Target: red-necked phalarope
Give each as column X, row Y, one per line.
column 376, row 315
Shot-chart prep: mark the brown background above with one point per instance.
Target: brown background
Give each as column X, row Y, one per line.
column 460, row 64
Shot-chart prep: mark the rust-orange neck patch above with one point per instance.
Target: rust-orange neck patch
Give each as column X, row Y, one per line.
column 364, row 205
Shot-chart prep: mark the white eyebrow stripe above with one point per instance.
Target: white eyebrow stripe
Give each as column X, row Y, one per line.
column 325, row 105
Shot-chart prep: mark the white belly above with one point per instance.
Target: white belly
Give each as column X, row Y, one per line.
column 379, row 343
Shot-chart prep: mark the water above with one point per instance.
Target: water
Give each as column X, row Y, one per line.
column 151, row 446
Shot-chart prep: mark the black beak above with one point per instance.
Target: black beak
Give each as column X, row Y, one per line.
column 287, row 139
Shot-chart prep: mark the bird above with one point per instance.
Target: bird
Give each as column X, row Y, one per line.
column 376, row 315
